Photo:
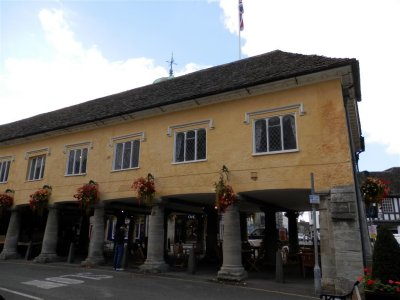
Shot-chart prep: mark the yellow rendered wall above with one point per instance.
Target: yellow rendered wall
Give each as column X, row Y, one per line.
column 322, row 141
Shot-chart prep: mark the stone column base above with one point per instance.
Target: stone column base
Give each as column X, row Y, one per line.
column 93, row 261
column 154, row 267
column 232, row 273
column 9, row 255
column 44, row 258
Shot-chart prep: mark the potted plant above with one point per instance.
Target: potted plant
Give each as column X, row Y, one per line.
column 225, row 196
column 39, row 200
column 6, row 200
column 145, row 188
column 87, row 195
column 383, row 281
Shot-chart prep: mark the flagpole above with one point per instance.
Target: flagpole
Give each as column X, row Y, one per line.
column 240, row 44
column 239, row 28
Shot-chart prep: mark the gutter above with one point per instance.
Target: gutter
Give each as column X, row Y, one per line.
column 365, row 243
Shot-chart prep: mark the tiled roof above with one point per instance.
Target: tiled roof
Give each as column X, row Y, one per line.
column 265, row 68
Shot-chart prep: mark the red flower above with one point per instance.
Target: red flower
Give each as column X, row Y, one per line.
column 370, row 282
column 40, row 198
column 87, row 194
column 145, row 188
column 225, row 196
column 375, row 190
column 6, row 200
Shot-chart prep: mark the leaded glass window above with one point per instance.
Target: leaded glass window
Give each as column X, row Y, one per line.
column 275, row 134
column 190, row 145
column 126, row 155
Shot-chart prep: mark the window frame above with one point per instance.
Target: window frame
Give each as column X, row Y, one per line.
column 34, row 170
column 387, row 206
column 124, row 142
column 88, row 145
column 195, row 146
column 267, row 132
column 83, row 162
column 5, row 166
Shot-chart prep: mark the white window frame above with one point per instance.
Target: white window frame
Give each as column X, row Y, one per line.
column 74, row 159
column 74, row 147
column 196, row 130
column 5, row 165
column 33, row 155
column 130, row 138
column 255, row 153
column 32, row 166
column 173, row 130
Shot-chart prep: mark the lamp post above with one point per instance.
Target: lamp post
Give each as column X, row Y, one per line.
column 314, row 200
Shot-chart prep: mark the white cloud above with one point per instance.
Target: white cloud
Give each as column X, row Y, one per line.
column 363, row 29
column 191, row 67
column 70, row 75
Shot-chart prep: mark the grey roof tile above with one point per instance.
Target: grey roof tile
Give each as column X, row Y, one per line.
column 265, row 68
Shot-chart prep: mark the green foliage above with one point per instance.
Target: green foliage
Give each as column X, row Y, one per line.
column 386, row 257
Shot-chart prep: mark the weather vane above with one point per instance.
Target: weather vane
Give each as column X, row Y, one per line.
column 171, row 62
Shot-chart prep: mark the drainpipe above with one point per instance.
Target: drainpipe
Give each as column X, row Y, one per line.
column 365, row 242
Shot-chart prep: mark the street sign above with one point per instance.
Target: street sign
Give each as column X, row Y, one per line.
column 314, row 199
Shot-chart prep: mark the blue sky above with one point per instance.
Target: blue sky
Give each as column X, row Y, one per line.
column 58, row 53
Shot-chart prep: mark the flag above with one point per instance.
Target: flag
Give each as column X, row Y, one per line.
column 241, row 11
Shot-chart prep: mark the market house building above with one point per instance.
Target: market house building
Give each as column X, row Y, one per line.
column 271, row 119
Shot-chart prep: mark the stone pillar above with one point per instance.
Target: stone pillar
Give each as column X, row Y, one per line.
column 12, row 236
column 96, row 244
column 271, row 238
column 212, row 250
column 155, row 262
column 341, row 251
column 171, row 231
column 50, row 238
column 293, row 237
column 232, row 268
column 243, row 227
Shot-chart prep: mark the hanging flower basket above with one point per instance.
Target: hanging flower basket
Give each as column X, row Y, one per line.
column 87, row 195
column 39, row 200
column 374, row 190
column 225, row 196
column 145, row 189
column 6, row 200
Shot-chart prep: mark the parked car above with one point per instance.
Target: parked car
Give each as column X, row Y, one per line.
column 397, row 237
column 256, row 237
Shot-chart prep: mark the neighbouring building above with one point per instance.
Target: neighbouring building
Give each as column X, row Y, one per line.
column 388, row 212
column 271, row 119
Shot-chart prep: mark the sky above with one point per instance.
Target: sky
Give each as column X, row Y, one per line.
column 59, row 53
